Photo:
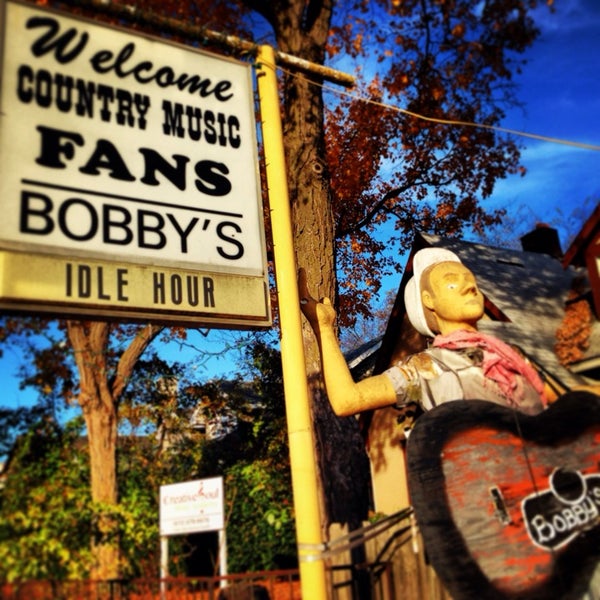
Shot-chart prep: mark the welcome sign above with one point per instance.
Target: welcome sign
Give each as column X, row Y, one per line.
column 129, row 180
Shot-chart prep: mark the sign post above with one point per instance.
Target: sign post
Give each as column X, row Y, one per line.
column 192, row 507
column 300, row 432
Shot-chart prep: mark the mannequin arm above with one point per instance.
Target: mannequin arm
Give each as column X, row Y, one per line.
column 346, row 396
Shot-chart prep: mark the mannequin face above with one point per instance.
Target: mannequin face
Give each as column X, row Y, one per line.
column 453, row 297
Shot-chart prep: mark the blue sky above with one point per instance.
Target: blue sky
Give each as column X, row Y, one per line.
column 560, row 89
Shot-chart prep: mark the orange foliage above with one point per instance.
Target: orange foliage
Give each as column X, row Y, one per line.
column 217, row 15
column 443, row 60
column 573, row 335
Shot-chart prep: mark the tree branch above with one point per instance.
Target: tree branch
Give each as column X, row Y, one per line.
column 131, row 354
column 370, row 215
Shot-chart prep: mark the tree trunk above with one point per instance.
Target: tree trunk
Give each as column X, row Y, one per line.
column 89, row 342
column 302, row 29
column 101, row 423
column 98, row 398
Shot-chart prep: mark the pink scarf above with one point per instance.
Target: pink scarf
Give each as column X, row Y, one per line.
column 500, row 362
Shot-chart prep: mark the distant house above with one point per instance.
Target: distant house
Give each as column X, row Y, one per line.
column 526, row 295
column 584, row 254
column 215, row 425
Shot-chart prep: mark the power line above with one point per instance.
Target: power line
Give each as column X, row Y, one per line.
column 452, row 122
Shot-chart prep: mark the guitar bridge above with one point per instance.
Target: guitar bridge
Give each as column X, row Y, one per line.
column 499, row 506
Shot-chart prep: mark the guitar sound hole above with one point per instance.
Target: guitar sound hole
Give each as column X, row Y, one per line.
column 568, row 485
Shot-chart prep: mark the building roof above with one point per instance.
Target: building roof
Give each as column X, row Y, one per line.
column 361, row 360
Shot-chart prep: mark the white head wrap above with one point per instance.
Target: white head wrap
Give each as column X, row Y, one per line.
column 412, row 294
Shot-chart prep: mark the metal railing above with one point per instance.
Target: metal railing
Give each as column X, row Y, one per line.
column 263, row 585
column 394, row 566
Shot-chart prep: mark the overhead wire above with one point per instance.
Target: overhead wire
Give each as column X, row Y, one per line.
column 451, row 122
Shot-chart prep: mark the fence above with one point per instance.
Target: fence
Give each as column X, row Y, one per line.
column 394, row 566
column 381, row 561
column 267, row 585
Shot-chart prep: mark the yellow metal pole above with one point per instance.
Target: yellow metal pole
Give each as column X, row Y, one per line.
column 300, row 433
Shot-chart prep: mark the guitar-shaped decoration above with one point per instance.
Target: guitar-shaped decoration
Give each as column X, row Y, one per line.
column 509, row 504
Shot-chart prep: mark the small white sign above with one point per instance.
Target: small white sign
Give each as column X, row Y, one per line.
column 192, row 507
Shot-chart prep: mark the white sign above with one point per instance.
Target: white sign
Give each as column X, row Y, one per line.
column 192, row 507
column 124, row 148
